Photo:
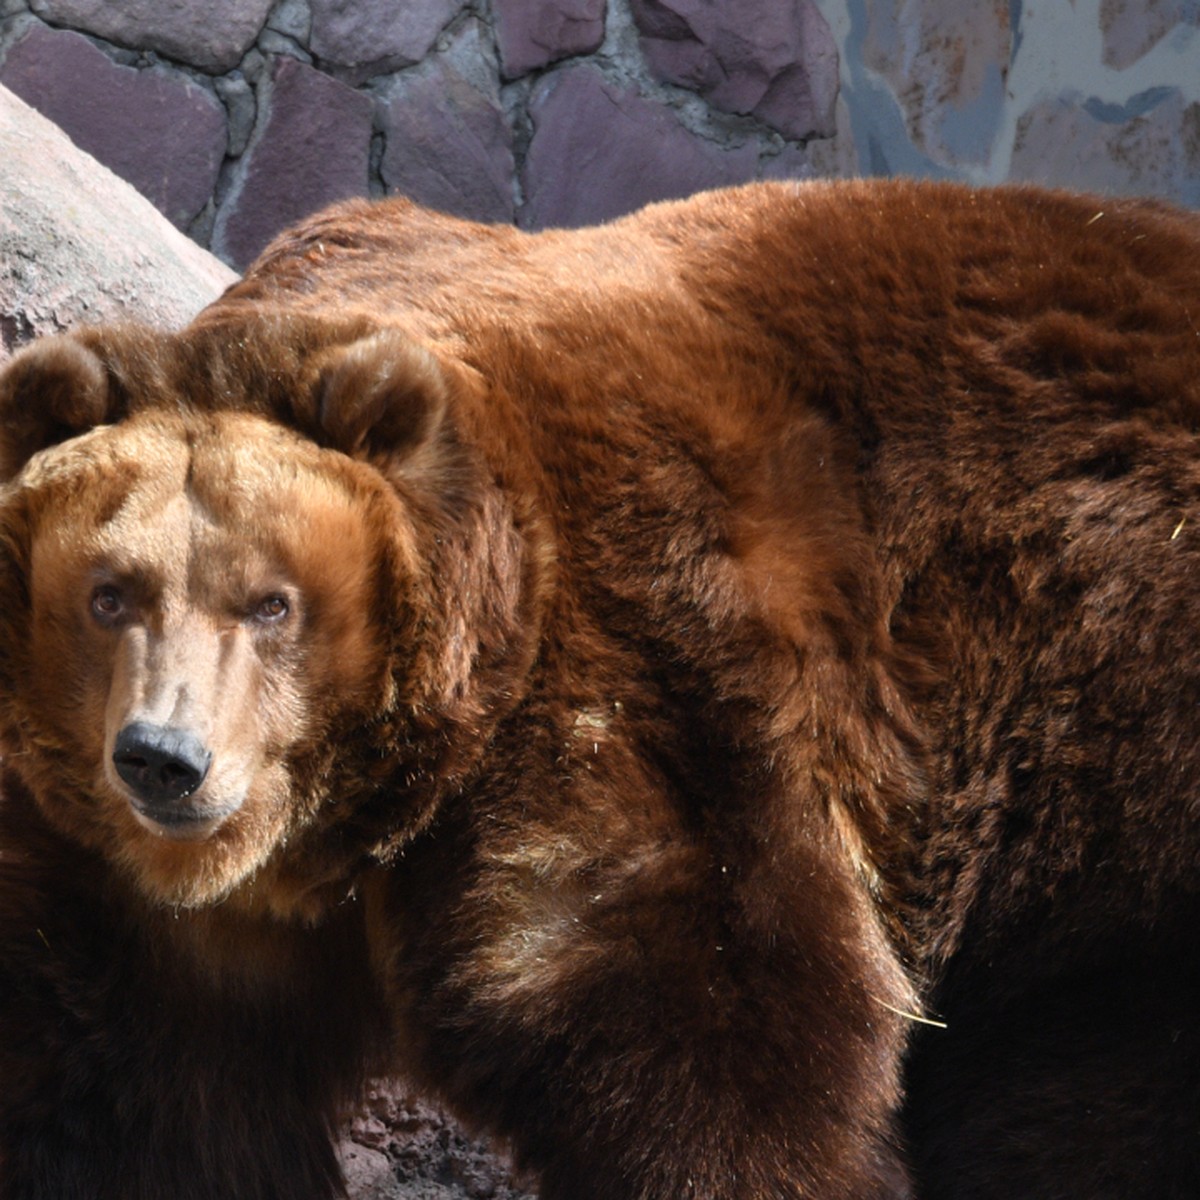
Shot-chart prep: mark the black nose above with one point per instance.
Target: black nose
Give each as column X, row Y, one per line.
column 160, row 763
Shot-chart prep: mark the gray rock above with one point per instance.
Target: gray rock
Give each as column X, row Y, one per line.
column 1133, row 27
column 241, row 109
column 369, row 1174
column 271, row 42
column 599, row 150
column 448, row 142
column 535, row 33
column 1149, row 146
column 946, row 64
column 312, row 147
column 253, row 65
column 292, row 17
column 78, row 245
column 792, row 162
column 836, row 157
column 366, row 37
column 212, row 36
column 155, row 128
column 773, row 59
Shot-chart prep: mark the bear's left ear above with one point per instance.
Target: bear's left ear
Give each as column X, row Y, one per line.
column 49, row 392
column 381, row 397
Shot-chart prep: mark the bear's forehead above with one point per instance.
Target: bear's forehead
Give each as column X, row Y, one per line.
column 158, row 487
column 219, row 458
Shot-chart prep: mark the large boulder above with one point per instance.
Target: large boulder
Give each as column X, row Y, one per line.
column 79, row 245
column 156, row 128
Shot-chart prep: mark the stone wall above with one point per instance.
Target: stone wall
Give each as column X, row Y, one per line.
column 1101, row 95
column 237, row 116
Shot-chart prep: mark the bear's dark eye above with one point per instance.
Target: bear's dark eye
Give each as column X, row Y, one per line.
column 107, row 604
column 272, row 609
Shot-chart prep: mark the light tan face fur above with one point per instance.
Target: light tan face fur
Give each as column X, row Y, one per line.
column 211, row 576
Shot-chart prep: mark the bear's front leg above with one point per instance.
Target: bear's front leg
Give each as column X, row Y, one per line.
column 132, row 1071
column 668, row 1028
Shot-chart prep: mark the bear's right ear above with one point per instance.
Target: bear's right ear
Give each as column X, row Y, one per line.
column 49, row 392
column 382, row 398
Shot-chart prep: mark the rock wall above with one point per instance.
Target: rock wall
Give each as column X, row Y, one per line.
column 1101, row 95
column 237, row 116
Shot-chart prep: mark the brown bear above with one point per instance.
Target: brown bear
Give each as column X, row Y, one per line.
column 715, row 698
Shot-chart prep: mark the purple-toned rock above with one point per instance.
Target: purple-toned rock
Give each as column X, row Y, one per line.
column 535, row 33
column 78, row 245
column 1149, row 146
column 368, row 37
column 772, row 59
column 599, row 150
column 448, row 143
column 946, row 63
column 213, row 36
column 1133, row 27
column 313, row 148
column 155, row 128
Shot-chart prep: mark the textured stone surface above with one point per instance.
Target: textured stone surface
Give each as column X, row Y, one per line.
column 774, row 59
column 1006, row 88
column 1151, row 147
column 312, row 148
column 78, row 245
column 947, row 63
column 156, row 129
column 366, row 36
column 447, row 140
column 599, row 150
column 1133, row 27
column 292, row 17
column 241, row 108
column 430, row 1157
column 535, row 33
column 928, row 87
column 836, row 157
column 369, row 1174
column 212, row 36
column 792, row 162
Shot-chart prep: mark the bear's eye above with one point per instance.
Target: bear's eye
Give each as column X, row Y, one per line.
column 107, row 603
column 272, row 609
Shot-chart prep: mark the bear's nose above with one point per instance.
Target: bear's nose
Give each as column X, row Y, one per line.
column 159, row 762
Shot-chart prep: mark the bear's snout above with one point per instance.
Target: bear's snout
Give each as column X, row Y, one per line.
column 161, row 765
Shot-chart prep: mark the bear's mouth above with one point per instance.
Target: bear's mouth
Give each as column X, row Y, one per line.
column 181, row 823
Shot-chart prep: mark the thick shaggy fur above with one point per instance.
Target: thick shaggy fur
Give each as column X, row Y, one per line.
column 645, row 669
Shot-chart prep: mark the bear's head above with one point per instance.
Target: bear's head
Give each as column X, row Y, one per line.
column 236, row 656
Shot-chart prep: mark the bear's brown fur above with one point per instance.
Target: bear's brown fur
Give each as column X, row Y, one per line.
column 620, row 678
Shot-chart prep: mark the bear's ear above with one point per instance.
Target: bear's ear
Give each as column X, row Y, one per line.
column 49, row 391
column 381, row 397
